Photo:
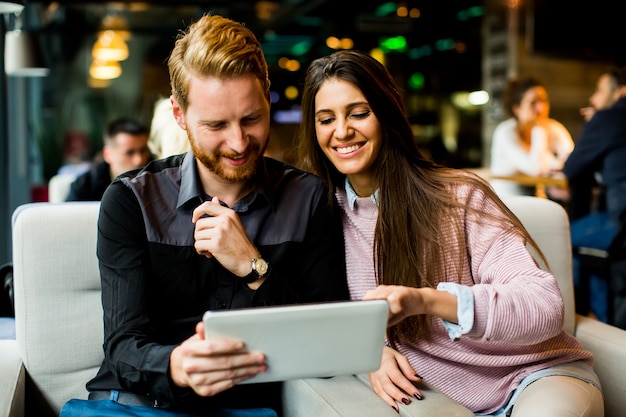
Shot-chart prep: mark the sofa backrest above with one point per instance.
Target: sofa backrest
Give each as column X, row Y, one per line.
column 548, row 224
column 58, row 310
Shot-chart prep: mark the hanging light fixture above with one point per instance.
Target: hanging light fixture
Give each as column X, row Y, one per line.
column 13, row 6
column 110, row 46
column 23, row 56
column 105, row 70
column 117, row 23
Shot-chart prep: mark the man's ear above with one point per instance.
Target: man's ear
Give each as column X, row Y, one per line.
column 106, row 154
column 178, row 113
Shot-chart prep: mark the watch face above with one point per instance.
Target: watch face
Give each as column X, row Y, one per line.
column 261, row 266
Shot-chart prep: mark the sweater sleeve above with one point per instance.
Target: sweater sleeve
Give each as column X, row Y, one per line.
column 514, row 300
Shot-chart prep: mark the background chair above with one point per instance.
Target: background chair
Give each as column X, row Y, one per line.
column 59, row 187
column 58, row 345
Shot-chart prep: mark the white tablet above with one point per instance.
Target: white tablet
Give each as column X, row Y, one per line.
column 308, row 340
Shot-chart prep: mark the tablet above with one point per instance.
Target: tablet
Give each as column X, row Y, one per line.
column 307, row 340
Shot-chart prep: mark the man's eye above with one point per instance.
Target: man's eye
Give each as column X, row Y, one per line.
column 216, row 126
column 251, row 120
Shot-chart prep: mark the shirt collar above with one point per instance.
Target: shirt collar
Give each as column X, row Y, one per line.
column 352, row 195
column 189, row 181
column 191, row 187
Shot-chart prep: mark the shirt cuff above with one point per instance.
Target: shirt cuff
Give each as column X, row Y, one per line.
column 465, row 309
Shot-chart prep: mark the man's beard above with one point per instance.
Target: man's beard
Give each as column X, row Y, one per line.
column 230, row 173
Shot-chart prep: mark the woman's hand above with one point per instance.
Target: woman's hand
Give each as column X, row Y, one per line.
column 403, row 301
column 409, row 301
column 394, row 380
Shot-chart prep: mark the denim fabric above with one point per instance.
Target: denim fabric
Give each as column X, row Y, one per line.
column 616, row 201
column 595, row 230
column 577, row 370
column 108, row 408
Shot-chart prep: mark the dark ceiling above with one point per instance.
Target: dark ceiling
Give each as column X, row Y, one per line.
column 443, row 43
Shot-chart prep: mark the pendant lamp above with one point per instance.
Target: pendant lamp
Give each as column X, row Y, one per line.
column 105, row 70
column 13, row 6
column 23, row 56
column 110, row 46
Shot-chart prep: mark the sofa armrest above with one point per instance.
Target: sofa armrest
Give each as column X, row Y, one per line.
column 608, row 345
column 351, row 396
column 13, row 381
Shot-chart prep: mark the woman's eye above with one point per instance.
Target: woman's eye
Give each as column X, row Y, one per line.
column 325, row 121
column 362, row 115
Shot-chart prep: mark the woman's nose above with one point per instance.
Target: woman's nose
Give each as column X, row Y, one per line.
column 343, row 129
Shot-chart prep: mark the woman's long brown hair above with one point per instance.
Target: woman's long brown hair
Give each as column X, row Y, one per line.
column 419, row 212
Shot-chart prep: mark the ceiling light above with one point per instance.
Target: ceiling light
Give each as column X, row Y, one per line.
column 105, row 70
column 110, row 46
column 23, row 56
column 117, row 24
column 14, row 6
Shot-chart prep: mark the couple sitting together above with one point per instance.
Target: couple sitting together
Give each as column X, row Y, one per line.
column 366, row 216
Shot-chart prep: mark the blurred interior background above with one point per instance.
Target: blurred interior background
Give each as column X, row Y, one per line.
column 71, row 66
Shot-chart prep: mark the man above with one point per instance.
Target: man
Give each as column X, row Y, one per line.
column 125, row 149
column 582, row 169
column 600, row 152
column 220, row 227
column 609, row 89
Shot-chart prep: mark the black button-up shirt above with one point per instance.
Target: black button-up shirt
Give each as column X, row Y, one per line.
column 155, row 287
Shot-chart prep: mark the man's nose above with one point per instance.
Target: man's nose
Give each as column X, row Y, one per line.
column 237, row 140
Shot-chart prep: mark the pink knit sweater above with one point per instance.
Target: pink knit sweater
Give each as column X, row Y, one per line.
column 518, row 313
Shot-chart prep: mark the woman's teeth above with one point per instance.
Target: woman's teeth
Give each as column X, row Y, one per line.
column 348, row 149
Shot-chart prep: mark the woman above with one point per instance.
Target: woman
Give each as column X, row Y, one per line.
column 529, row 141
column 470, row 311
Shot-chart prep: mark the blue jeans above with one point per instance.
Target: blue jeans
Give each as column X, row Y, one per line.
column 595, row 230
column 109, row 408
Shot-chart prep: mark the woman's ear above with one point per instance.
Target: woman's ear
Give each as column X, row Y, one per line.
column 515, row 110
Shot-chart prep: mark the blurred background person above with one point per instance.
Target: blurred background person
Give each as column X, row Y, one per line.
column 609, row 88
column 125, row 148
column 166, row 137
column 587, row 189
column 599, row 159
column 529, row 141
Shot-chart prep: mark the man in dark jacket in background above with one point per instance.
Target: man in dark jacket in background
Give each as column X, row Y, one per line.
column 600, row 153
column 125, row 148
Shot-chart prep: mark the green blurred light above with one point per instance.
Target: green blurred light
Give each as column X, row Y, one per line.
column 310, row 21
column 301, row 48
column 386, row 9
column 422, row 51
column 474, row 11
column 444, row 44
column 416, row 81
column 396, row 43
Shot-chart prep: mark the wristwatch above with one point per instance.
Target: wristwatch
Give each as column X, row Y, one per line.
column 260, row 268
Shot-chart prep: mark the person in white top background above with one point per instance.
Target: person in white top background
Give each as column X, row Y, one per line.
column 529, row 141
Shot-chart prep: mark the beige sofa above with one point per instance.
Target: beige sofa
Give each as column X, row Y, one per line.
column 59, row 322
